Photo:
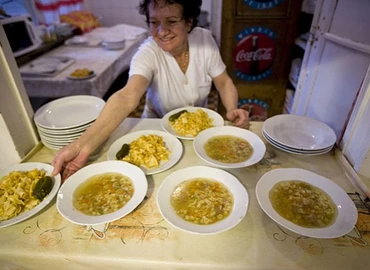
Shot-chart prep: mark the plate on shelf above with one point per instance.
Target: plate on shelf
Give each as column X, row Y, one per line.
column 257, row 144
column 347, row 212
column 171, row 142
column 28, row 167
column 165, row 122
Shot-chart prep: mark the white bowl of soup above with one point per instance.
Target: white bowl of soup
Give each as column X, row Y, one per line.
column 102, row 192
column 229, row 147
column 202, row 200
column 306, row 203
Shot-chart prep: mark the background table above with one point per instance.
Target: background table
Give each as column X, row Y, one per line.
column 107, row 64
column 144, row 240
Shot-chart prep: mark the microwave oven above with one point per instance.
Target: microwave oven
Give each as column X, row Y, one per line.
column 21, row 34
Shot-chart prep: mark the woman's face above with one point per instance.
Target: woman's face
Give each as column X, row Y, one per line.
column 168, row 28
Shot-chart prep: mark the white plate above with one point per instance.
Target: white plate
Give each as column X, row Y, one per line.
column 297, row 152
column 65, row 194
column 57, row 141
column 57, row 132
column 347, row 212
column 299, row 132
column 27, row 167
column 78, row 40
column 217, row 120
column 172, row 144
column 277, row 144
column 53, row 147
column 241, row 199
column 60, row 136
column 82, row 78
column 258, row 145
column 44, row 68
column 69, row 112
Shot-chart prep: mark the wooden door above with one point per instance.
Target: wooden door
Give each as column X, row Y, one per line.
column 257, row 38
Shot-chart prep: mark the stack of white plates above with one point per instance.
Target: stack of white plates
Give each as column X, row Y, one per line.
column 62, row 121
column 299, row 134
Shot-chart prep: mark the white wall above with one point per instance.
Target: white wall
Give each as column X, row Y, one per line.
column 9, row 154
column 365, row 167
column 118, row 11
column 17, row 132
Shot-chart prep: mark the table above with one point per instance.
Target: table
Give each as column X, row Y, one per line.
column 143, row 240
column 107, row 64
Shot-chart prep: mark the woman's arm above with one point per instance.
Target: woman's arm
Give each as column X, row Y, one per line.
column 74, row 156
column 229, row 98
column 117, row 108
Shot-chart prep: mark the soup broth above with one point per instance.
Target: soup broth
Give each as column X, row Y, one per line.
column 228, row 149
column 303, row 204
column 202, row 201
column 103, row 194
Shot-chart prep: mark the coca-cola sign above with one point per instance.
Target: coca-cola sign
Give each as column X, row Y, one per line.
column 254, row 53
column 262, row 4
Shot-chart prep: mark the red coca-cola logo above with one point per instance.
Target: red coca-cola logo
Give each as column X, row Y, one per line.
column 254, row 54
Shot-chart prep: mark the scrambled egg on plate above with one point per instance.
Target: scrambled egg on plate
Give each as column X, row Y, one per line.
column 191, row 123
column 148, row 151
column 81, row 73
column 16, row 192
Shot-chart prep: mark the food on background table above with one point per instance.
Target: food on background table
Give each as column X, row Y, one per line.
column 202, row 201
column 228, row 149
column 148, row 151
column 191, row 123
column 303, row 204
column 81, row 73
column 103, row 194
column 20, row 191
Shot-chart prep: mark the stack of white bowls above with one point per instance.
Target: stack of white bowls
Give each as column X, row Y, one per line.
column 63, row 120
column 299, row 135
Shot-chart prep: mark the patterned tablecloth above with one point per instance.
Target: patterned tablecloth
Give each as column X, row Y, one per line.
column 107, row 64
column 144, row 240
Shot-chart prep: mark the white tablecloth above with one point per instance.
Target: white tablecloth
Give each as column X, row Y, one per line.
column 144, row 240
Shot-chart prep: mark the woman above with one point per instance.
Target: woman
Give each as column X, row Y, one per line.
column 175, row 66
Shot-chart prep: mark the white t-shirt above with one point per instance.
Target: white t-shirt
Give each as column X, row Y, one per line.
column 169, row 87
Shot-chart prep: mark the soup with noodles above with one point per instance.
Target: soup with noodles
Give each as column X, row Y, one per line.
column 303, row 204
column 103, row 194
column 202, row 201
column 228, row 149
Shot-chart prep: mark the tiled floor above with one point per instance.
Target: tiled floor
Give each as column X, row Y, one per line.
column 212, row 104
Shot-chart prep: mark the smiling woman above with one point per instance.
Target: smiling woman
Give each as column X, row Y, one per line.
column 175, row 67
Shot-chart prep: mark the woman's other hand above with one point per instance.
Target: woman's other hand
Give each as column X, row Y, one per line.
column 239, row 117
column 69, row 160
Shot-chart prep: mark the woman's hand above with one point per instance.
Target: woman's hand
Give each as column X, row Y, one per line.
column 69, row 160
column 239, row 117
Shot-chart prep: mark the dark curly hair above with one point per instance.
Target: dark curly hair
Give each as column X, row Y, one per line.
column 190, row 9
